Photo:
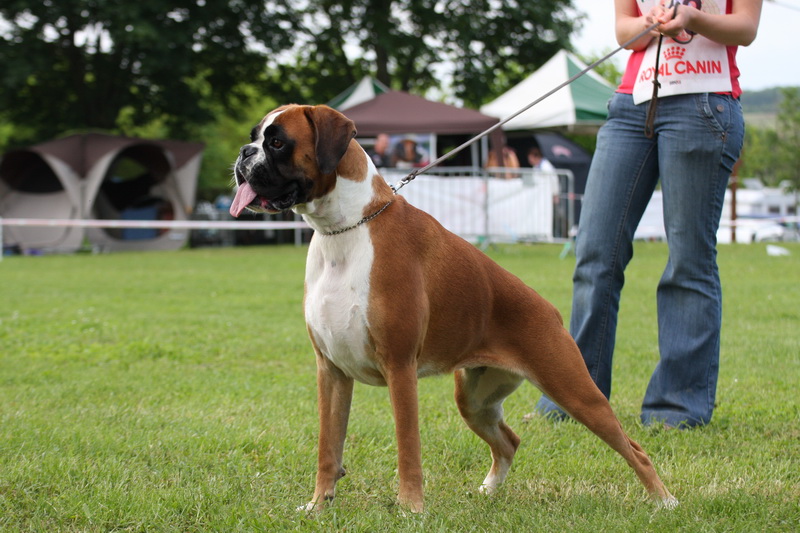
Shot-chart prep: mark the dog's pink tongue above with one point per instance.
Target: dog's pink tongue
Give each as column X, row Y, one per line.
column 244, row 195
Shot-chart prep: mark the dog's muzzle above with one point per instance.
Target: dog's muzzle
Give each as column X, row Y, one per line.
column 247, row 197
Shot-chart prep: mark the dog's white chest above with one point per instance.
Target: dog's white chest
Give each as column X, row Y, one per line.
column 337, row 300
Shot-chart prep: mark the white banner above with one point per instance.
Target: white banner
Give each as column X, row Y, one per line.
column 495, row 209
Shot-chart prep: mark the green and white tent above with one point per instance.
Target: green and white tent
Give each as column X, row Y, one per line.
column 578, row 107
column 360, row 92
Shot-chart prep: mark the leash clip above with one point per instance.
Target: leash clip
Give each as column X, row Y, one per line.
column 405, row 181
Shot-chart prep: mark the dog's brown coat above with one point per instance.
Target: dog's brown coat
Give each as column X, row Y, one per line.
column 437, row 305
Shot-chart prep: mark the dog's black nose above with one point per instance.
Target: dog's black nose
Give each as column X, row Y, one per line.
column 248, row 150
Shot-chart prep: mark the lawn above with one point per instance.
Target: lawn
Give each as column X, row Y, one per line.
column 176, row 392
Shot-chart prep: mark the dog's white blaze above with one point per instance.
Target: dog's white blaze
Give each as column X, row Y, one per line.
column 337, row 298
column 269, row 120
column 259, row 142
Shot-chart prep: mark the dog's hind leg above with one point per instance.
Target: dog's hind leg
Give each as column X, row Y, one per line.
column 596, row 414
column 568, row 384
column 480, row 393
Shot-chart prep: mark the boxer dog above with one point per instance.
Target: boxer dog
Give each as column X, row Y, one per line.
column 392, row 296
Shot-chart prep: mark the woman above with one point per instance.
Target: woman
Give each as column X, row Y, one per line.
column 692, row 145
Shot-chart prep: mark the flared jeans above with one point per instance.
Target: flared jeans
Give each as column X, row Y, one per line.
column 697, row 141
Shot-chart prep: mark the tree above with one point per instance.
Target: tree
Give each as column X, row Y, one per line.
column 77, row 64
column 789, row 137
column 758, row 155
column 609, row 69
column 485, row 46
column 190, row 68
column 771, row 154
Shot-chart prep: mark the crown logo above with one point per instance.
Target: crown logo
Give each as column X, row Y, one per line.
column 674, row 52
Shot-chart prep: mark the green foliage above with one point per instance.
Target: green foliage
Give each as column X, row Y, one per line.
column 758, row 155
column 176, row 392
column 120, row 66
column 489, row 45
column 789, row 137
column 514, row 40
column 609, row 69
column 772, row 154
column 200, row 69
column 71, row 64
column 764, row 101
column 6, row 131
column 224, row 137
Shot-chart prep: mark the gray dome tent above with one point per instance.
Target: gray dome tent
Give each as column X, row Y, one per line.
column 97, row 176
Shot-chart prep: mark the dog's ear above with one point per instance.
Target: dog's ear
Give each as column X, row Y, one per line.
column 333, row 133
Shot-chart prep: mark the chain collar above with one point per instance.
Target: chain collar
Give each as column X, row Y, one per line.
column 362, row 221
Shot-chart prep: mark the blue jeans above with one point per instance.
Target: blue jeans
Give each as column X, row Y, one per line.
column 698, row 139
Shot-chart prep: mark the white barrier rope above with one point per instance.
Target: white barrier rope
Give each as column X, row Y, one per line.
column 266, row 224
column 749, row 220
column 169, row 224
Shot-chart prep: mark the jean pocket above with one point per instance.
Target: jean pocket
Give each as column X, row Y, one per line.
column 719, row 111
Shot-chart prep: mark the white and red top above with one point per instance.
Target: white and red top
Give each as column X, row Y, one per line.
column 699, row 66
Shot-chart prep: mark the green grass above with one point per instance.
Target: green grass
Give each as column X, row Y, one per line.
column 176, row 392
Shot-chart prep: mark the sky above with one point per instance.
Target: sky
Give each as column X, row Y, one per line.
column 759, row 63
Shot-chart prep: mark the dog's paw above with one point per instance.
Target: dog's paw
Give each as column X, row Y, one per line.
column 487, row 489
column 413, row 505
column 670, row 502
column 309, row 507
column 316, row 504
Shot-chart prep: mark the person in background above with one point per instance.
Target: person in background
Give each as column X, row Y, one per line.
column 691, row 146
column 539, row 161
column 380, row 151
column 406, row 154
column 510, row 161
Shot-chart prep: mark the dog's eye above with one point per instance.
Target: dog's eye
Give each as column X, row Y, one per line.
column 276, row 143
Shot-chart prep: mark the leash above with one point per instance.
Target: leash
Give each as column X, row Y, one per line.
column 410, row 177
column 650, row 121
column 416, row 172
column 652, row 107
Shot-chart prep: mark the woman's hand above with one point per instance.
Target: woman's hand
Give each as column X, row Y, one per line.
column 674, row 19
column 737, row 28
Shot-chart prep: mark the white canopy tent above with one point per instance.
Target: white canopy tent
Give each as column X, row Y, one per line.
column 581, row 106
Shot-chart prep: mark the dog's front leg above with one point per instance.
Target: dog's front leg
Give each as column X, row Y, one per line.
column 334, row 395
column 405, row 405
